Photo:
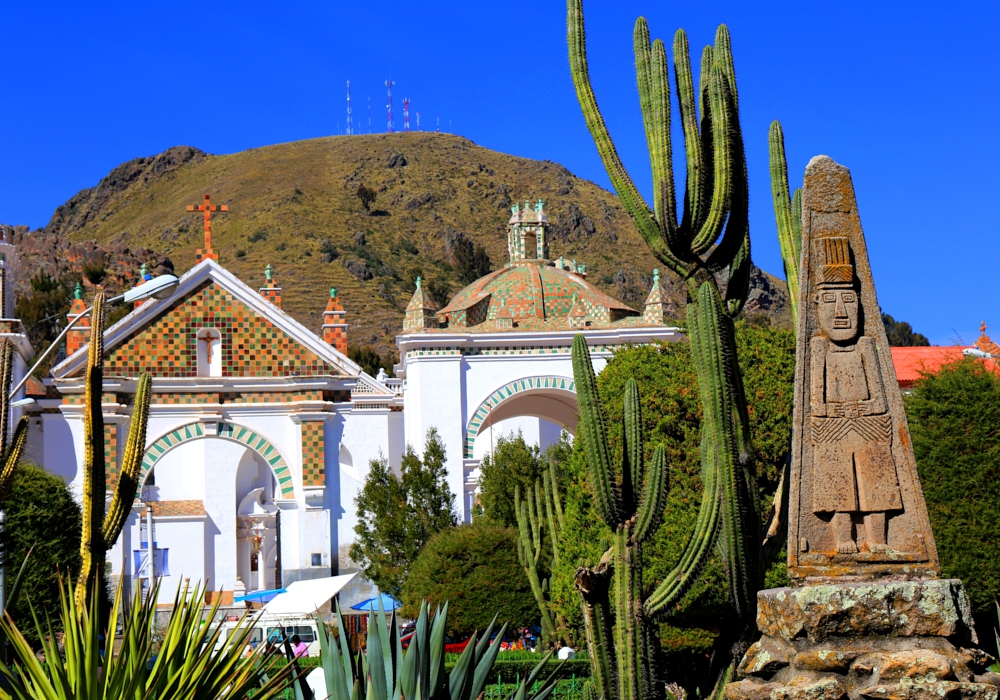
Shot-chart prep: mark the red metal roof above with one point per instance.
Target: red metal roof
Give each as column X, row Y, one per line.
column 913, row 362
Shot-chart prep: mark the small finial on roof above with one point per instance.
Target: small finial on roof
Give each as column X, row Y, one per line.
column 78, row 292
column 333, row 292
column 144, row 271
column 516, row 208
column 656, row 275
column 540, row 205
column 982, row 327
column 269, row 273
column 418, row 281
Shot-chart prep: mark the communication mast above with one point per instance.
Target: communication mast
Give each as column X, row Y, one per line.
column 406, row 114
column 388, row 88
column 350, row 129
column 418, row 121
column 438, row 129
column 369, row 114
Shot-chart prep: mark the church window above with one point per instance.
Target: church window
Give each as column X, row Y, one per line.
column 209, row 352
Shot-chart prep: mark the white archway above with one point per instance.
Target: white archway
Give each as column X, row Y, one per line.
column 550, row 398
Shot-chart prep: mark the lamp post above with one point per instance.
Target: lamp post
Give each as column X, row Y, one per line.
column 158, row 288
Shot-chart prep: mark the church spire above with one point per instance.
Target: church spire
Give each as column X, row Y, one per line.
column 420, row 312
column 527, row 235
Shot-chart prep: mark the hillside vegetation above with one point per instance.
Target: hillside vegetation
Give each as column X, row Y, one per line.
column 440, row 203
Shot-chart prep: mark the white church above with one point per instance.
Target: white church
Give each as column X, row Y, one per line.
column 261, row 430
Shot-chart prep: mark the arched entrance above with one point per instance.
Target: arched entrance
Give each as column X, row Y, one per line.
column 238, row 477
column 550, row 398
column 228, row 431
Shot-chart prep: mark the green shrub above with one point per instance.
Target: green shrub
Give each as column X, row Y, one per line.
column 672, row 414
column 475, row 569
column 41, row 513
column 954, row 421
column 512, row 463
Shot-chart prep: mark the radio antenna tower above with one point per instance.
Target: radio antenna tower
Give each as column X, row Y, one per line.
column 388, row 88
column 406, row 114
column 350, row 129
column 438, row 129
column 418, row 121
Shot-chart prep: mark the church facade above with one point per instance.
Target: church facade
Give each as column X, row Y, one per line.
column 261, row 431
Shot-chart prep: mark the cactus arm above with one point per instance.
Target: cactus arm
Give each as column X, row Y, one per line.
column 689, row 124
column 699, row 546
column 654, row 98
column 6, row 379
column 632, row 454
column 626, row 566
column 738, row 288
column 593, row 430
column 785, row 214
column 797, row 226
column 556, row 499
column 550, row 516
column 91, row 539
column 13, row 456
column 654, row 496
column 724, row 57
column 128, row 480
column 632, row 200
column 528, row 550
column 722, row 123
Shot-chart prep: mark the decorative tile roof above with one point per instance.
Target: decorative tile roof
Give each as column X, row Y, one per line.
column 531, row 293
column 536, row 294
column 163, row 509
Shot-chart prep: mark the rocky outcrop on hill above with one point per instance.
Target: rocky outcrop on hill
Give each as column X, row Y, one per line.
column 114, row 267
column 86, row 205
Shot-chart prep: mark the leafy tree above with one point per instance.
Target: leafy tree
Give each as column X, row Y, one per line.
column 954, row 419
column 901, row 333
column 367, row 196
column 471, row 261
column 43, row 309
column 398, row 514
column 672, row 414
column 370, row 359
column 513, row 463
column 41, row 513
column 475, row 569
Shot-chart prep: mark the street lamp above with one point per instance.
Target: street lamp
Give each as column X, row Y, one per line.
column 160, row 287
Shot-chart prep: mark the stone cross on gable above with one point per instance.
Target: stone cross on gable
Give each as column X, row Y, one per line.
column 208, row 208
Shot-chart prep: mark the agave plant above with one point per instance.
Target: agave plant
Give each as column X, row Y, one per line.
column 385, row 672
column 193, row 661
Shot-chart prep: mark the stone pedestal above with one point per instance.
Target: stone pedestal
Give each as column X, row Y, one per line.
column 894, row 640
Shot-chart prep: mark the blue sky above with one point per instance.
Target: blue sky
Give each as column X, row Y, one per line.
column 908, row 100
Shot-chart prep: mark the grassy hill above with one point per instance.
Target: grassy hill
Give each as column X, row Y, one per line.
column 295, row 206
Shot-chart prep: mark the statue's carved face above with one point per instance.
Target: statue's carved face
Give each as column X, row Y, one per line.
column 838, row 314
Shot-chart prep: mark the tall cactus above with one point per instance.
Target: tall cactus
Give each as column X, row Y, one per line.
column 787, row 215
column 541, row 511
column 10, row 449
column 100, row 529
column 621, row 635
column 708, row 244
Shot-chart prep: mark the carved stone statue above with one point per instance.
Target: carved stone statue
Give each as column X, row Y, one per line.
column 855, row 503
column 851, row 431
column 867, row 616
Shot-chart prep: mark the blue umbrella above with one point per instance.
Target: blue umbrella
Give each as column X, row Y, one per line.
column 259, row 596
column 388, row 603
